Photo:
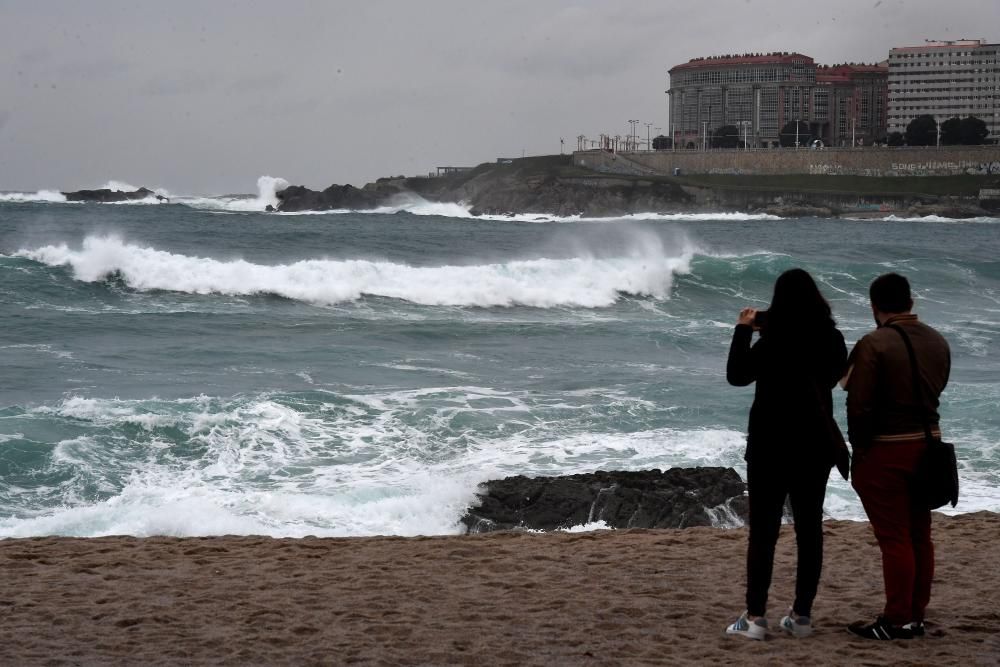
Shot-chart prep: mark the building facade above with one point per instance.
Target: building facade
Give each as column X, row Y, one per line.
column 759, row 94
column 850, row 104
column 945, row 79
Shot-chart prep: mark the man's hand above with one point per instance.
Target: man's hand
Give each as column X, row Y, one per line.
column 746, row 316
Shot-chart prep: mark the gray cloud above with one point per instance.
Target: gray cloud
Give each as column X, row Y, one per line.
column 218, row 93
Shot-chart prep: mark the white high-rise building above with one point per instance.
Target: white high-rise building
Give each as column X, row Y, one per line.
column 945, row 79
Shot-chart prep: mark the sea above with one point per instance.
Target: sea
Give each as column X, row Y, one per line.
column 201, row 367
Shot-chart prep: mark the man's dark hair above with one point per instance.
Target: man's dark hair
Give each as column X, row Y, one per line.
column 890, row 293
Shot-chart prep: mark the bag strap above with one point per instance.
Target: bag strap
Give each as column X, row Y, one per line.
column 918, row 393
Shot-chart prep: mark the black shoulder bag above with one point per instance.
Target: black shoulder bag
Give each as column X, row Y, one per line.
column 935, row 482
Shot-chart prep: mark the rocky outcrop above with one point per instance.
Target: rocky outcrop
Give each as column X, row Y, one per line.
column 586, row 196
column 677, row 498
column 548, row 184
column 106, row 196
column 335, row 197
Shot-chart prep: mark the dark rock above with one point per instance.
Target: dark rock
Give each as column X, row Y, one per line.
column 348, row 197
column 105, row 196
column 947, row 209
column 677, row 498
column 269, row 209
column 797, row 210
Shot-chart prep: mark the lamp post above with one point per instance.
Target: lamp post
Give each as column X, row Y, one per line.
column 797, row 121
column 634, row 132
column 649, row 146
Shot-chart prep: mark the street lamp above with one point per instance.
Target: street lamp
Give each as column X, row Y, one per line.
column 633, row 133
column 746, row 134
column 649, row 146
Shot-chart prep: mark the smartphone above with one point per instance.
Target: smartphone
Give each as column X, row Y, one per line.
column 760, row 319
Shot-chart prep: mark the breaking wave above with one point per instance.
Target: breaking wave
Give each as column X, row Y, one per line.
column 583, row 281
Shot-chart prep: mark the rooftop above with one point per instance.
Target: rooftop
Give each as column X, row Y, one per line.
column 746, row 59
column 844, row 71
column 945, row 44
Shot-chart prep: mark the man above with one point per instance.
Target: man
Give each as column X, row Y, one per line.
column 885, row 422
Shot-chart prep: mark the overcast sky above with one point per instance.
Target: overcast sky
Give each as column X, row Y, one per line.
column 204, row 97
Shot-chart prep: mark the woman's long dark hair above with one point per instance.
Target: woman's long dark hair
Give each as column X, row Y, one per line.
column 797, row 305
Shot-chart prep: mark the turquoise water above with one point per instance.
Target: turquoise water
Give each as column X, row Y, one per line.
column 202, row 368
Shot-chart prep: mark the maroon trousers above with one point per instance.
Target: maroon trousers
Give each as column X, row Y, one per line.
column 882, row 478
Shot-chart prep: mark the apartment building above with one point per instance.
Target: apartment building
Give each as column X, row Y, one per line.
column 760, row 93
column 945, row 79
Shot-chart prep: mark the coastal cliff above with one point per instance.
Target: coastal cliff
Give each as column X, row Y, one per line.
column 554, row 185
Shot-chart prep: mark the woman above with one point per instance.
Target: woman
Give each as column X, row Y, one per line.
column 792, row 440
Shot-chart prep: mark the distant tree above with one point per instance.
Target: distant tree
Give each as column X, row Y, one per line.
column 922, row 131
column 787, row 135
column 973, row 131
column 662, row 143
column 951, row 132
column 895, row 139
column 727, row 136
column 690, row 145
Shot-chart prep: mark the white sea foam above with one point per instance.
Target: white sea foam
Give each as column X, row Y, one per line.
column 387, row 463
column 583, row 281
column 925, row 218
column 415, row 205
column 51, row 196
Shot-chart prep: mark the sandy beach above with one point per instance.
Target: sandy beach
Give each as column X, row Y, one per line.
column 603, row 598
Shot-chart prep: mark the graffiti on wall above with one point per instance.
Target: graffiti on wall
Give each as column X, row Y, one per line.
column 841, row 170
column 931, row 168
column 729, row 171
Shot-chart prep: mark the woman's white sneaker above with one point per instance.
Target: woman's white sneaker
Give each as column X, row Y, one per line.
column 751, row 629
column 795, row 625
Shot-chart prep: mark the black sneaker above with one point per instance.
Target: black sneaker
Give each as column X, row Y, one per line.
column 880, row 629
column 916, row 627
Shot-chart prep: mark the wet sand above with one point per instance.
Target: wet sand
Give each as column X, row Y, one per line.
column 606, row 598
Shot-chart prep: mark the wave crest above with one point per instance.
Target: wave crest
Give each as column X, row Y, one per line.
column 582, row 281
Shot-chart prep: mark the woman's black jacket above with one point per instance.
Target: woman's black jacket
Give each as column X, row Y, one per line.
column 791, row 416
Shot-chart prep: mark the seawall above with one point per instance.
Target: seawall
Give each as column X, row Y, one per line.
column 868, row 161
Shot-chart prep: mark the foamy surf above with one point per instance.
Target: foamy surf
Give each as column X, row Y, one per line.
column 257, row 465
column 585, row 281
column 41, row 196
